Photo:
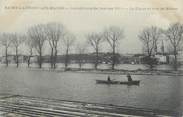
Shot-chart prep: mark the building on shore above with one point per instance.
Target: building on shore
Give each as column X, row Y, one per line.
column 179, row 58
column 162, row 58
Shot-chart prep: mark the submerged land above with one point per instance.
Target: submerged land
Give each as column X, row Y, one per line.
column 117, row 71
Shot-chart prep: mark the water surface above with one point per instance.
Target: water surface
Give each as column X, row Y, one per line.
column 160, row 92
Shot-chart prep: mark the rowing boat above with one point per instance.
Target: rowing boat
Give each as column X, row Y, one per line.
column 134, row 82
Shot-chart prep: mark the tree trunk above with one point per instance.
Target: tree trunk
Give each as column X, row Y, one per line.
column 28, row 62
column 51, row 58
column 6, row 54
column 40, row 59
column 96, row 59
column 55, row 59
column 79, row 61
column 113, row 57
column 175, row 62
column 17, row 61
column 66, row 58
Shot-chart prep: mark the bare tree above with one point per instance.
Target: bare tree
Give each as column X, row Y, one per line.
column 150, row 37
column 37, row 34
column 81, row 50
column 175, row 36
column 95, row 40
column 6, row 42
column 54, row 32
column 29, row 43
column 17, row 40
column 68, row 42
column 112, row 35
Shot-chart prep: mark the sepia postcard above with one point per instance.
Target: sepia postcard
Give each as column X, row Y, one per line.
column 91, row 58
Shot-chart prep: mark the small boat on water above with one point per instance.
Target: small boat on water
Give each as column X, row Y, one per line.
column 134, row 82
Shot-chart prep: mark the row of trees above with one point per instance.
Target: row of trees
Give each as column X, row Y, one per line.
column 55, row 33
column 13, row 40
column 151, row 36
column 112, row 35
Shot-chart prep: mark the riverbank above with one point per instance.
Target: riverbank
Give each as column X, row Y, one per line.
column 104, row 71
column 117, row 71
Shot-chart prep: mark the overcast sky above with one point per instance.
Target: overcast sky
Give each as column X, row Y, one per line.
column 84, row 16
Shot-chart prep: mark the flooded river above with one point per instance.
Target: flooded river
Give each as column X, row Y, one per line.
column 160, row 92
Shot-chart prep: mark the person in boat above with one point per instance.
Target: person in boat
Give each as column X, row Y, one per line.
column 108, row 79
column 129, row 77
